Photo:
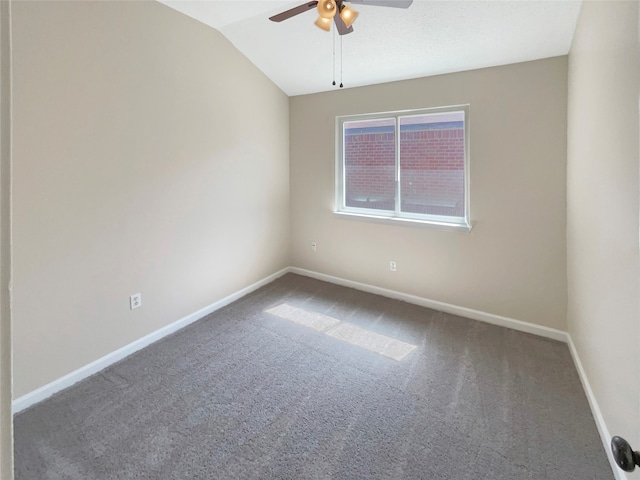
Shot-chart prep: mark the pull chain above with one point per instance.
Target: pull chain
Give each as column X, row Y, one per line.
column 334, row 56
column 341, row 55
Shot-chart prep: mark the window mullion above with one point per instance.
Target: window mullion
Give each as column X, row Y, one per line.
column 398, row 193
column 431, row 162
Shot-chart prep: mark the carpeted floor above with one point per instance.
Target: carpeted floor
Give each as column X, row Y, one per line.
column 245, row 394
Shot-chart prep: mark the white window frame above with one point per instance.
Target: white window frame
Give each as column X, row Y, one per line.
column 398, row 217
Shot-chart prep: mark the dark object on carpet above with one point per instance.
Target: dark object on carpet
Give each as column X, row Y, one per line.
column 245, row 394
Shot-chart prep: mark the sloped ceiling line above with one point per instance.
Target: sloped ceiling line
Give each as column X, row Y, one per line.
column 388, row 44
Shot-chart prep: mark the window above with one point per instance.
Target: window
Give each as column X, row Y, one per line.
column 409, row 166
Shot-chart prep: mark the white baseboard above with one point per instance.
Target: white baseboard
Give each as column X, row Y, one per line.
column 441, row 306
column 66, row 381
column 495, row 320
column 605, row 436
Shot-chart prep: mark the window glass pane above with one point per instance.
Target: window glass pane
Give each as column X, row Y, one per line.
column 369, row 163
column 432, row 164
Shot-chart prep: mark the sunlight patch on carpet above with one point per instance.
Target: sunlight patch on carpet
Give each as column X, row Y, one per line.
column 314, row 320
column 372, row 341
column 360, row 337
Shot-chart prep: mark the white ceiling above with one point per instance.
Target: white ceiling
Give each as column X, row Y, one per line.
column 430, row 37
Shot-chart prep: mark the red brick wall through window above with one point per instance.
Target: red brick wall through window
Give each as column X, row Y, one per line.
column 431, row 170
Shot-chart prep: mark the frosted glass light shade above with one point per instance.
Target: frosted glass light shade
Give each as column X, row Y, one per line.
column 348, row 15
column 323, row 23
column 327, row 8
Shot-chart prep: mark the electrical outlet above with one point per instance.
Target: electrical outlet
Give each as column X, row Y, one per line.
column 392, row 266
column 313, row 246
column 135, row 300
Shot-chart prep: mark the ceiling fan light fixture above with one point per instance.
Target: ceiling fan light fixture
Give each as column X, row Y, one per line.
column 323, row 23
column 348, row 15
column 327, row 8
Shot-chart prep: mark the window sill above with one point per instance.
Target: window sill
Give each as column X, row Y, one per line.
column 409, row 222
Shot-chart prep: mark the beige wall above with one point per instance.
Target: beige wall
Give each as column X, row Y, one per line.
column 6, row 424
column 513, row 263
column 603, row 208
column 150, row 156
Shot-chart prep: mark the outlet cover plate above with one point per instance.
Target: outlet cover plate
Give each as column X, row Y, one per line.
column 135, row 300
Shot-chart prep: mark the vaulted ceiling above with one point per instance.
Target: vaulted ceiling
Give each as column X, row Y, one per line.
column 429, row 38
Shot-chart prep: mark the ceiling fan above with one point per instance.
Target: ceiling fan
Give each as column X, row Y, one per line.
column 327, row 10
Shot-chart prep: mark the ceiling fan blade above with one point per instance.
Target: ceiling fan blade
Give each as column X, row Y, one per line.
column 342, row 28
column 384, row 3
column 293, row 12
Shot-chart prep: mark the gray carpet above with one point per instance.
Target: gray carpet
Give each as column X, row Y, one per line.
column 252, row 395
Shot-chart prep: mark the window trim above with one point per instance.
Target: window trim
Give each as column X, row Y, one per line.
column 395, row 216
